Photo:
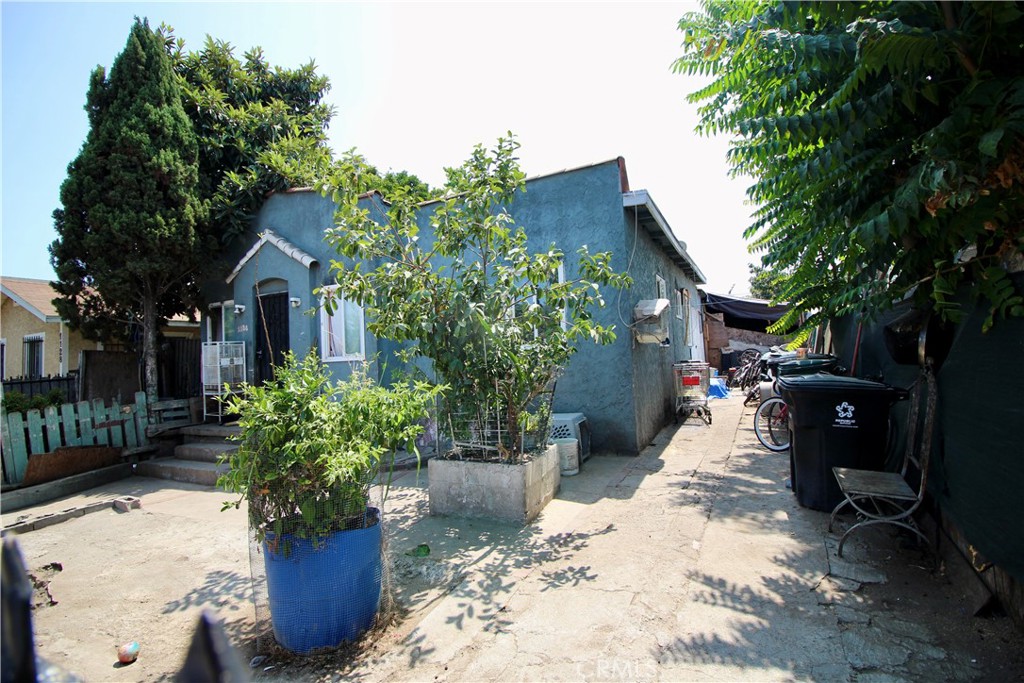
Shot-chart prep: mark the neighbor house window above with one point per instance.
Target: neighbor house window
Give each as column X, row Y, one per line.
column 3, row 359
column 32, row 352
column 662, row 288
column 679, row 303
column 342, row 333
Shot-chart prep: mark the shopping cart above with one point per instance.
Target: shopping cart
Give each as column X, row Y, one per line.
column 693, row 380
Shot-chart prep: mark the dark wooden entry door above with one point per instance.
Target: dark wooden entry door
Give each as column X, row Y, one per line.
column 271, row 333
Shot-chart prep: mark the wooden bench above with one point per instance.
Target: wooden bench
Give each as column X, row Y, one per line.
column 165, row 416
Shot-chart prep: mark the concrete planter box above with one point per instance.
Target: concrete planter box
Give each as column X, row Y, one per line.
column 512, row 493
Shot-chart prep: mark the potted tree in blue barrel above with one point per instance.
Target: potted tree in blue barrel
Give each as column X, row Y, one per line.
column 308, row 453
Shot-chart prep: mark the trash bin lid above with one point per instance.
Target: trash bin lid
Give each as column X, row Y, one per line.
column 772, row 358
column 823, row 382
column 804, row 366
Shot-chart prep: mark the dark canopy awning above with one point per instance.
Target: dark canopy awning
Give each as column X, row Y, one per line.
column 743, row 314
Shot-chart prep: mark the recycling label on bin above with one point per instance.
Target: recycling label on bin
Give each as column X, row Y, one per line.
column 844, row 416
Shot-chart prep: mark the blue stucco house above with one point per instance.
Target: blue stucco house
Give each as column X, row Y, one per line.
column 265, row 296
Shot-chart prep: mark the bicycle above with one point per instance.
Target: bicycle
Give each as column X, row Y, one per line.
column 771, row 424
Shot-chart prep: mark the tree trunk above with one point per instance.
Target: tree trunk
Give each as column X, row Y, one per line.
column 149, row 332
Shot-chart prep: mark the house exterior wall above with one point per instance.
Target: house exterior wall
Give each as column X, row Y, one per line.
column 300, row 218
column 572, row 209
column 75, row 344
column 58, row 341
column 625, row 389
column 653, row 386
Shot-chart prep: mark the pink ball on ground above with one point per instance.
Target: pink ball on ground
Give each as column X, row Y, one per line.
column 128, row 653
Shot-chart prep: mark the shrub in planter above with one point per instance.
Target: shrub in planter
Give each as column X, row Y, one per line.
column 309, row 452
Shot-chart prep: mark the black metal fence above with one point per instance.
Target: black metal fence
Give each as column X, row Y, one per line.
column 179, row 361
column 44, row 385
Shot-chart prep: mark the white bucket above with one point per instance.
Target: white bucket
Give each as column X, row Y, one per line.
column 568, row 455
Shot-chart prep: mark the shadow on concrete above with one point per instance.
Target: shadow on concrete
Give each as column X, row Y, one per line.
column 225, row 594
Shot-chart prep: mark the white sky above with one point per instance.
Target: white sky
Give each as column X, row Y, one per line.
column 416, row 86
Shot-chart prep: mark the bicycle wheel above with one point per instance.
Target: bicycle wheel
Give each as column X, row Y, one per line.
column 771, row 424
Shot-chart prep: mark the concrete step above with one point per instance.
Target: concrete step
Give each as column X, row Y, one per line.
column 204, row 451
column 209, row 432
column 189, row 471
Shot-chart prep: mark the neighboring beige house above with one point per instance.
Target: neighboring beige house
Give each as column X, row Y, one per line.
column 34, row 341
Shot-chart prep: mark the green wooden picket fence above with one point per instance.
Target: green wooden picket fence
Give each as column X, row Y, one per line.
column 87, row 423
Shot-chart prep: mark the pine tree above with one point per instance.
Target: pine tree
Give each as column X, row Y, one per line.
column 127, row 242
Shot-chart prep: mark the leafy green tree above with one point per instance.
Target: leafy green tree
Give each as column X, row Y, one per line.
column 258, row 129
column 261, row 129
column 493, row 318
column 128, row 235
column 765, row 283
column 885, row 140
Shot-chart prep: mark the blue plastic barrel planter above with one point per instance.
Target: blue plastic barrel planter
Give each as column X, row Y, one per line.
column 321, row 596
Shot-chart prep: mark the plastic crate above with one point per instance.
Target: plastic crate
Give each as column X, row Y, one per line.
column 572, row 426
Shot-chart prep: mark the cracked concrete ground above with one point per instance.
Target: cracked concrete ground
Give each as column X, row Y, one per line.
column 695, row 562
column 692, row 561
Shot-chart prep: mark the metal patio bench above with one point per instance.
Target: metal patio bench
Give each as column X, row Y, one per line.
column 893, row 497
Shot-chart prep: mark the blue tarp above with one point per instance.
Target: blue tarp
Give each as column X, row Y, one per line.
column 718, row 389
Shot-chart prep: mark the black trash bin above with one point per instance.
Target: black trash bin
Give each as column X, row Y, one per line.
column 834, row 422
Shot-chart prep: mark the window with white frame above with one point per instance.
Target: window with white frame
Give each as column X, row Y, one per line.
column 220, row 323
column 678, row 304
column 342, row 333
column 689, row 317
column 32, row 353
column 520, row 308
column 662, row 287
column 557, row 279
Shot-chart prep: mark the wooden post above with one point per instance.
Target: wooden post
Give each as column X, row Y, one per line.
column 68, row 417
column 17, row 460
column 35, row 431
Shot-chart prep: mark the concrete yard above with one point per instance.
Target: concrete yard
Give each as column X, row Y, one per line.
column 692, row 561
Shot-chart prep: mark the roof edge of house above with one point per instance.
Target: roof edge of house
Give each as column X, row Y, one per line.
column 638, row 198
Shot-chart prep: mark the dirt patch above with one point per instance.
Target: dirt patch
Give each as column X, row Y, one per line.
column 417, row 582
column 41, row 578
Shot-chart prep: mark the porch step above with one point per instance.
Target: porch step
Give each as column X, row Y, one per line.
column 209, row 433
column 189, row 471
column 204, row 451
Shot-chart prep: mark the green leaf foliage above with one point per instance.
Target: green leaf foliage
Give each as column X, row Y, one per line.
column 885, row 143
column 309, row 450
column 261, row 128
column 766, row 284
column 492, row 316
